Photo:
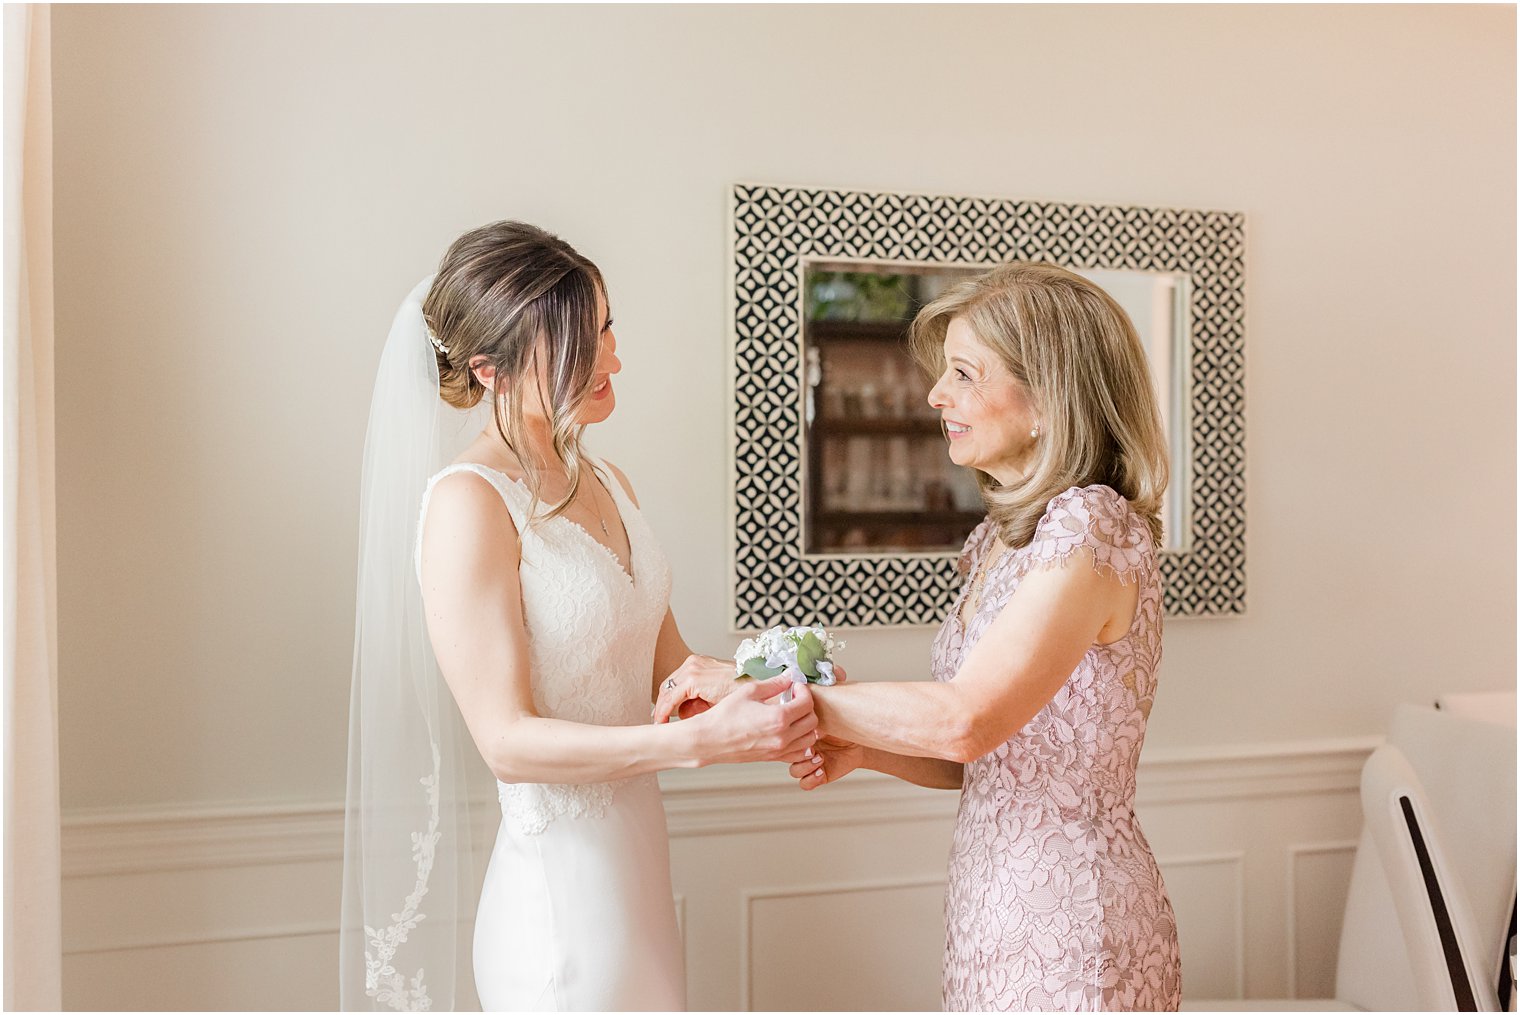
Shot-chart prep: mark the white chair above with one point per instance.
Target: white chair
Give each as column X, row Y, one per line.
column 1432, row 889
column 1488, row 706
column 1439, row 800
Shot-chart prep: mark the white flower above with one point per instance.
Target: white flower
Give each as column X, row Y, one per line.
column 747, row 650
column 778, row 649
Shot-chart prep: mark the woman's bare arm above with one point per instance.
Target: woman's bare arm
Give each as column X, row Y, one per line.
column 935, row 773
column 473, row 603
column 1016, row 667
column 838, row 758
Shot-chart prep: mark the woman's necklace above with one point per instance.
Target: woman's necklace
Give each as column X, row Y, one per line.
column 596, row 503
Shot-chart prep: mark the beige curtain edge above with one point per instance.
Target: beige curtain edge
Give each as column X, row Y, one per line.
column 33, row 904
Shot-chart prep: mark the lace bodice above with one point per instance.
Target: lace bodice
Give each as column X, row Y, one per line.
column 1055, row 901
column 591, row 633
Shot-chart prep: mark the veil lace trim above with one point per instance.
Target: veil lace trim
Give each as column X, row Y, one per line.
column 381, row 979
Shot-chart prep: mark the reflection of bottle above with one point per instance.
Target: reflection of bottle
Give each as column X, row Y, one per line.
column 891, row 386
column 900, row 476
column 834, row 475
column 858, row 473
column 833, row 402
column 851, row 402
column 881, row 483
column 870, row 408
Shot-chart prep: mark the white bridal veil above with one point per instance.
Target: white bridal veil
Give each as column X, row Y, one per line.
column 409, row 888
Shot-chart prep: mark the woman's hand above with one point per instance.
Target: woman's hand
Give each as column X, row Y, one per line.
column 833, row 760
column 700, row 683
column 748, row 726
column 696, row 686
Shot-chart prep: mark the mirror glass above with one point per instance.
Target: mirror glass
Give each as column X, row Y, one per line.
column 876, row 475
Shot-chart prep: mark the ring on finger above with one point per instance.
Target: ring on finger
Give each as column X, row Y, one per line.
column 670, row 685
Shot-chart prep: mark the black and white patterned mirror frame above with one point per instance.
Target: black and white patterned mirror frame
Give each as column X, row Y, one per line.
column 773, row 228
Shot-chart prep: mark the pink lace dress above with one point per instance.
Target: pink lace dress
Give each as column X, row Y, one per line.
column 1055, row 902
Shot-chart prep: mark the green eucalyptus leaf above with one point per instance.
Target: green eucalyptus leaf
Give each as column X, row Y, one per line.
column 809, row 651
column 756, row 668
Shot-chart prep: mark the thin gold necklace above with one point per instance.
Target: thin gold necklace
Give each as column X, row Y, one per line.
column 596, row 503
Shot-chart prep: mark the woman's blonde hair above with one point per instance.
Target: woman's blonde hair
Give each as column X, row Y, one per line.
column 1076, row 352
column 513, row 293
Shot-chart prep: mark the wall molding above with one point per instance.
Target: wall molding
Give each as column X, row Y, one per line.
column 1294, row 852
column 721, row 800
column 279, row 932
column 112, row 841
column 1236, row 860
column 749, row 896
column 233, row 882
column 1249, row 771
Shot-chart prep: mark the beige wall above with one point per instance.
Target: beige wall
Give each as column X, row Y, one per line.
column 244, row 194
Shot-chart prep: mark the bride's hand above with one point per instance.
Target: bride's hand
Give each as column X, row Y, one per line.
column 748, row 725
column 699, row 684
column 696, row 686
column 834, row 759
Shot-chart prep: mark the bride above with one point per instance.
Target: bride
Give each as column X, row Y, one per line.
column 520, row 583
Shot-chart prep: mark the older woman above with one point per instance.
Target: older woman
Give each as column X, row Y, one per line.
column 1045, row 669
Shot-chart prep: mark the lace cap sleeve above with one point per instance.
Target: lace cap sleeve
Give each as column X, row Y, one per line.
column 973, row 545
column 1094, row 518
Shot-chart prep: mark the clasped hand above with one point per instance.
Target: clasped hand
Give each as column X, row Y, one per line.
column 704, row 683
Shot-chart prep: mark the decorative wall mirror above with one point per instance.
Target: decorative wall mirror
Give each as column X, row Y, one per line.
column 848, row 511
column 875, row 476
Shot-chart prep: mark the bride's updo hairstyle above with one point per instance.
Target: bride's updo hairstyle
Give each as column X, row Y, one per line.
column 523, row 298
column 1077, row 354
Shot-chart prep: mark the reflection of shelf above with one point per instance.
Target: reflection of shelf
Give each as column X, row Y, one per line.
column 857, row 331
column 898, row 519
column 852, row 427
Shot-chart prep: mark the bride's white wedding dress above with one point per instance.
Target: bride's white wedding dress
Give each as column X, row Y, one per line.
column 577, row 913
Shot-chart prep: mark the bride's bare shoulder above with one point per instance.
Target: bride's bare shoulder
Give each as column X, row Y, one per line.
column 467, row 505
column 489, row 455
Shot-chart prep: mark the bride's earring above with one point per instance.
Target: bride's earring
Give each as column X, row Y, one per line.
column 1034, row 434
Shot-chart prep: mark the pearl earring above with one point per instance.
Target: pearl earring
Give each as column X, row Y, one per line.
column 1035, row 433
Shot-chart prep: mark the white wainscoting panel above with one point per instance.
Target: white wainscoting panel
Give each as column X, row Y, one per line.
column 821, row 948
column 787, row 901
column 1208, row 894
column 1318, row 877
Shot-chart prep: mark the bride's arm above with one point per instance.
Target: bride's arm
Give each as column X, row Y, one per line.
column 672, row 655
column 1017, row 666
column 473, row 604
